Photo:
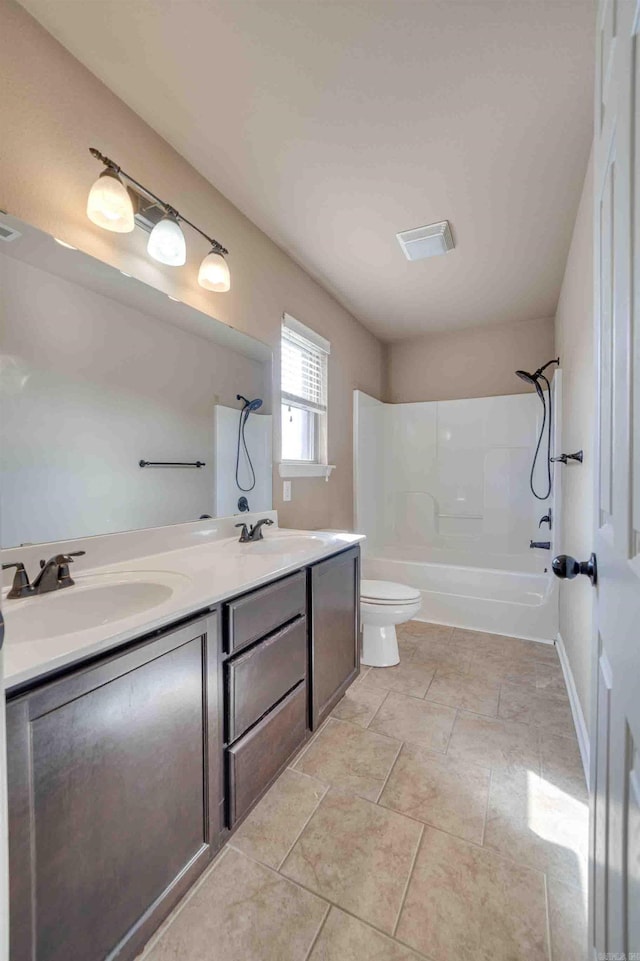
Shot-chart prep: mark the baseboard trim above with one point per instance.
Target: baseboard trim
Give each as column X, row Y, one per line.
column 576, row 708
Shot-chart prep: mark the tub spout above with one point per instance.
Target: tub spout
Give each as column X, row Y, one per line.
column 543, row 545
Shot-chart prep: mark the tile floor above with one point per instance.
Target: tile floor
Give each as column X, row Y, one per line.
column 440, row 813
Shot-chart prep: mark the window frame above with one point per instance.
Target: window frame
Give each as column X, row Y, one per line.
column 319, row 466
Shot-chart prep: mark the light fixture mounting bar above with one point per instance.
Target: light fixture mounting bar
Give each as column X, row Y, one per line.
column 112, row 165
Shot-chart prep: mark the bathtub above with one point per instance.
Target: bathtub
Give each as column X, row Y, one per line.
column 499, row 593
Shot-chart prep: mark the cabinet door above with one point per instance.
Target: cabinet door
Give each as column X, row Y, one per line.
column 114, row 796
column 335, row 618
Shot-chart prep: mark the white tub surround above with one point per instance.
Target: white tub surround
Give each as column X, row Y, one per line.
column 155, row 577
column 442, row 494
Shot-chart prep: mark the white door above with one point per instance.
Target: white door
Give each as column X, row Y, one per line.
column 4, row 840
column 615, row 731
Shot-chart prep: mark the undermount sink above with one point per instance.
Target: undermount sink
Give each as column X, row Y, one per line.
column 94, row 600
column 283, row 544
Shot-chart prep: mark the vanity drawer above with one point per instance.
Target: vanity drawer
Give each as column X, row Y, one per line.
column 261, row 612
column 259, row 677
column 255, row 760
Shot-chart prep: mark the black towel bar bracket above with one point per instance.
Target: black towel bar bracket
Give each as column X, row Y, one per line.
column 171, row 463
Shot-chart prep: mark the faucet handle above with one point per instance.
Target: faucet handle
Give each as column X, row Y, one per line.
column 244, row 534
column 21, row 586
column 67, row 558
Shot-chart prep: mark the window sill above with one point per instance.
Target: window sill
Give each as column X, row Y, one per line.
column 293, row 469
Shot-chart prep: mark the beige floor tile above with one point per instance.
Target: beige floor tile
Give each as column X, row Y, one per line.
column 405, row 678
column 493, row 742
column 243, row 911
column 440, row 656
column 551, row 712
column 274, row 824
column 359, row 704
column 466, row 902
column 477, row 694
column 549, row 678
column 561, row 764
column 447, row 794
column 568, row 922
column 412, row 719
column 537, row 824
column 481, row 642
column 499, row 667
column 406, row 647
column 344, row 938
column 350, row 758
column 357, row 855
column 423, row 629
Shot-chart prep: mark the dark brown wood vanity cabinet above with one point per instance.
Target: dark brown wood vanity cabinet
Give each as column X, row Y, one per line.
column 334, row 616
column 115, row 795
column 266, row 693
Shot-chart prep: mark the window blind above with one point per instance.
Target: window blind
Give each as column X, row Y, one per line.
column 304, row 372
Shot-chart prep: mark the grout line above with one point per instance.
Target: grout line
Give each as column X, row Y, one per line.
column 356, row 917
column 299, row 834
column 547, row 904
column 486, row 807
column 318, row 933
column 376, row 712
column 386, row 780
column 446, row 750
column 409, row 876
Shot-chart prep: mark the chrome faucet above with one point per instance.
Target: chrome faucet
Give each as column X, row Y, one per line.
column 254, row 531
column 53, row 576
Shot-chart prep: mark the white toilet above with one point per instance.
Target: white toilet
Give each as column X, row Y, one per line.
column 384, row 604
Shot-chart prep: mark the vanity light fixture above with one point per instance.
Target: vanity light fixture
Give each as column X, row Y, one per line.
column 166, row 242
column 119, row 208
column 214, row 272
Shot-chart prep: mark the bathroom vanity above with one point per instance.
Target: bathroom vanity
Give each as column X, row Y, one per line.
column 130, row 766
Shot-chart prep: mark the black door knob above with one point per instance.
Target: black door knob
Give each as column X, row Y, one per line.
column 567, row 567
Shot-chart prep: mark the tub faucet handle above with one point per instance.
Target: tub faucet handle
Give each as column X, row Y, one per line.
column 545, row 520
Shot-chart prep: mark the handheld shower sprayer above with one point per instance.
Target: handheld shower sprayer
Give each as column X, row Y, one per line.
column 547, row 418
column 250, row 406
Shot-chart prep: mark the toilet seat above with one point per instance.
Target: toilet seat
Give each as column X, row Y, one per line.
column 388, row 593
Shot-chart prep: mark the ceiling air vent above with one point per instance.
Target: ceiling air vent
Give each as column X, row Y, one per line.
column 8, row 233
column 427, row 241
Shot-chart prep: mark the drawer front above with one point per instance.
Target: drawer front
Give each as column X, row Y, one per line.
column 256, row 759
column 263, row 611
column 260, row 676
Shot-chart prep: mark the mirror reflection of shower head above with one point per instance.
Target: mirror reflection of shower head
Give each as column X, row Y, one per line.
column 249, row 407
column 535, row 379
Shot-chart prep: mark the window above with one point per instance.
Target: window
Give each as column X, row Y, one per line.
column 304, row 357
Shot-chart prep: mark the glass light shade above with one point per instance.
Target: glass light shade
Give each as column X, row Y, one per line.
column 214, row 273
column 109, row 204
column 167, row 243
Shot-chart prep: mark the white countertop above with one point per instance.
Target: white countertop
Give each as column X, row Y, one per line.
column 201, row 575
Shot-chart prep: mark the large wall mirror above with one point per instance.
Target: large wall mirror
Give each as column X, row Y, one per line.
column 100, row 372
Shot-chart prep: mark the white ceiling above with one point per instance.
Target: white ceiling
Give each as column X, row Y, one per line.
column 333, row 125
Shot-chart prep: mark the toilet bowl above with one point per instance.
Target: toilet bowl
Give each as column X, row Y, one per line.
column 384, row 604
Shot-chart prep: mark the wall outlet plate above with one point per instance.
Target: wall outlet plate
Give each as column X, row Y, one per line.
column 286, row 490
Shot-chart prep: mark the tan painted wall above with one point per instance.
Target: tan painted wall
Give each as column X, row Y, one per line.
column 467, row 363
column 575, row 344
column 51, row 111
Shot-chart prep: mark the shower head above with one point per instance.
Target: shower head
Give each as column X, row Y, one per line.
column 250, row 405
column 531, row 379
column 535, row 377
